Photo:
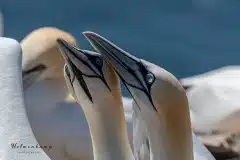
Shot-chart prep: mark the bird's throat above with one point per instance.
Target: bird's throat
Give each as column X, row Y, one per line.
column 108, row 131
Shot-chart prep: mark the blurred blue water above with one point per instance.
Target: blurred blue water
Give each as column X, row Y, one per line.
column 185, row 37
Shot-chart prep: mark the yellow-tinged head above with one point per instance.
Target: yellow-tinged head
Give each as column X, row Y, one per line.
column 95, row 85
column 41, row 58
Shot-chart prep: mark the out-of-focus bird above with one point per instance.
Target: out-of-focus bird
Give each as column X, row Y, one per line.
column 55, row 117
column 161, row 102
column 214, row 100
column 15, row 130
column 96, row 87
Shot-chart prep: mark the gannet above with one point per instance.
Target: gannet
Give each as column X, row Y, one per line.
column 15, row 129
column 214, row 100
column 96, row 87
column 161, row 101
column 55, row 118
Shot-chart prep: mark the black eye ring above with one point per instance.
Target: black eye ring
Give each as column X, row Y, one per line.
column 150, row 78
column 99, row 62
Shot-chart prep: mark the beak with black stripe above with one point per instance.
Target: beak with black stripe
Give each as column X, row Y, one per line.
column 135, row 73
column 83, row 69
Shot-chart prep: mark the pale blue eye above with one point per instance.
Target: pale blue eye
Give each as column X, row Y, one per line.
column 149, row 78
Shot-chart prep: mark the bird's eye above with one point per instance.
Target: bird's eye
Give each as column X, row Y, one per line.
column 99, row 62
column 149, row 78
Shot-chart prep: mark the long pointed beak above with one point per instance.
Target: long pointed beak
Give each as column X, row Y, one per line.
column 127, row 66
column 76, row 62
column 130, row 69
column 70, row 53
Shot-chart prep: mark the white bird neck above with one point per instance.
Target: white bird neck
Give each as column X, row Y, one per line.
column 169, row 134
column 108, row 130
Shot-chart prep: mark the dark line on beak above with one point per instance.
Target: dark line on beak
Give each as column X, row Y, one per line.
column 128, row 69
column 79, row 75
column 131, row 95
column 111, row 54
column 72, row 50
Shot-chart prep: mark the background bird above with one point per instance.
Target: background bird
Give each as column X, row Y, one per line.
column 214, row 100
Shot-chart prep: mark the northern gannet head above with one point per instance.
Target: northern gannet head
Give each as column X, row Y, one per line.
column 156, row 93
column 145, row 81
column 41, row 58
column 96, row 86
column 88, row 76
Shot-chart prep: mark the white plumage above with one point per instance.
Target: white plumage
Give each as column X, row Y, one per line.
column 14, row 125
column 214, row 99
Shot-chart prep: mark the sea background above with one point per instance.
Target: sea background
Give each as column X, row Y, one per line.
column 184, row 37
